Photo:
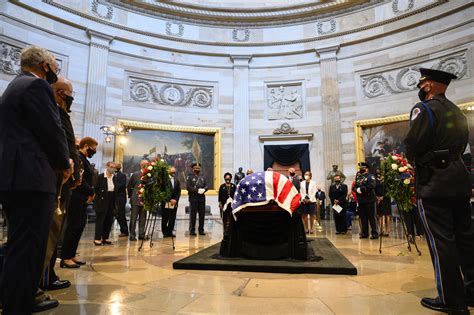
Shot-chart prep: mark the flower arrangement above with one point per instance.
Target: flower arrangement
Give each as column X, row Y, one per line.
column 154, row 187
column 399, row 181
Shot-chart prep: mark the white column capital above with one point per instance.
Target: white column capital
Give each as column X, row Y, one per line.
column 241, row 60
column 327, row 53
column 98, row 39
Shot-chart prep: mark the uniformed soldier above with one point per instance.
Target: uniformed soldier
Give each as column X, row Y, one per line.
column 196, row 186
column 437, row 137
column 364, row 188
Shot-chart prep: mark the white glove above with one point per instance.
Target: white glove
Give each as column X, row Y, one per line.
column 359, row 191
column 201, row 191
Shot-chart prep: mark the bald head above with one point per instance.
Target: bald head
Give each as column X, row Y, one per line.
column 63, row 92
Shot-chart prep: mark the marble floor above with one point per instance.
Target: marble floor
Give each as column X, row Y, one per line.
column 119, row 279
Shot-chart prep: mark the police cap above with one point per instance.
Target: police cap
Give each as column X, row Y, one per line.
column 435, row 75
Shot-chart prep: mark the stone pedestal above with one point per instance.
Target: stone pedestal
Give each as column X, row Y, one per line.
column 330, row 108
column 96, row 92
column 241, row 112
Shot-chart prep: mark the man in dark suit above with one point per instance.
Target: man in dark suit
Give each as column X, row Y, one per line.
column 169, row 210
column 34, row 161
column 197, row 186
column 295, row 179
column 137, row 211
column 321, row 200
column 338, row 194
column 120, row 187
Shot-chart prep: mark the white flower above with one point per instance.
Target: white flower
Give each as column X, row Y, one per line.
column 394, row 167
column 150, row 167
column 394, row 157
column 142, row 190
column 149, row 174
column 402, row 169
column 406, row 181
column 153, row 163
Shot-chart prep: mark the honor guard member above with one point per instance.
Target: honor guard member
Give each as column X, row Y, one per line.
column 437, row 137
column 196, row 186
column 364, row 188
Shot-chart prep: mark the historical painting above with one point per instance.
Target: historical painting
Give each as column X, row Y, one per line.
column 376, row 138
column 178, row 146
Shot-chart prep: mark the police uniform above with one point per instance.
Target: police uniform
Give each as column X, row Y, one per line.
column 437, row 137
column 364, row 188
column 197, row 202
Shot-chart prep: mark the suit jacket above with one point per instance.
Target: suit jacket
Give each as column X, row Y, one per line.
column 120, row 187
column 296, row 181
column 71, row 142
column 132, row 188
column 311, row 193
column 32, row 141
column 224, row 194
column 175, row 191
column 86, row 188
column 338, row 193
column 321, row 195
column 101, row 200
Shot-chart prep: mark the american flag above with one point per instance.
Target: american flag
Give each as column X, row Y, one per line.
column 259, row 189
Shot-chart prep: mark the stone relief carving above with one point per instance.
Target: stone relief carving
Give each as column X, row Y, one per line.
column 326, row 27
column 174, row 29
column 285, row 129
column 108, row 15
column 406, row 79
column 409, row 4
column 240, row 35
column 284, row 102
column 171, row 94
column 10, row 59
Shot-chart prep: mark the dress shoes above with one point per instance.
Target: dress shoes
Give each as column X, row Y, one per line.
column 96, row 243
column 436, row 305
column 202, row 233
column 145, row 238
column 363, row 236
column 133, row 239
column 62, row 264
column 45, row 305
column 192, row 233
column 79, row 262
column 106, row 242
column 123, row 235
column 374, row 237
column 58, row 285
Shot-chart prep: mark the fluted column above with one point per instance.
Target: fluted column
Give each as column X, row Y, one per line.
column 330, row 105
column 241, row 111
column 96, row 92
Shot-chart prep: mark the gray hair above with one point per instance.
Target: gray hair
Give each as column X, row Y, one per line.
column 32, row 56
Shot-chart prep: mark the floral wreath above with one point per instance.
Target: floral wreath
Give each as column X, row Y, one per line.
column 399, row 181
column 154, row 188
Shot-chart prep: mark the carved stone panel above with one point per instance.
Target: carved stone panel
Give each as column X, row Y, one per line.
column 406, row 79
column 285, row 101
column 174, row 29
column 101, row 10
column 241, row 35
column 164, row 92
column 326, row 27
column 402, row 6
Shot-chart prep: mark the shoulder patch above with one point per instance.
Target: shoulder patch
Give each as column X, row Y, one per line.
column 414, row 113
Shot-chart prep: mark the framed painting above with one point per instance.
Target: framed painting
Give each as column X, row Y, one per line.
column 376, row 138
column 179, row 146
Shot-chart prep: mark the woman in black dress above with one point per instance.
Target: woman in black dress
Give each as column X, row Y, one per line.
column 226, row 196
column 384, row 205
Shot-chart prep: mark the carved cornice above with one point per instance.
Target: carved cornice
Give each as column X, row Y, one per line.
column 285, row 129
column 405, row 79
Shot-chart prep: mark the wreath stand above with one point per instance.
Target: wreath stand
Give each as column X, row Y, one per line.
column 150, row 223
column 407, row 236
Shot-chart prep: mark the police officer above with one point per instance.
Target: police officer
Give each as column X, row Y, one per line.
column 437, row 137
column 364, row 188
column 196, row 186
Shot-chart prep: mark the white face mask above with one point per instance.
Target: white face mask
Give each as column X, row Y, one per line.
column 307, row 177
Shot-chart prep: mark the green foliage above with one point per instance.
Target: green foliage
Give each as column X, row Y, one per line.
column 398, row 181
column 155, row 187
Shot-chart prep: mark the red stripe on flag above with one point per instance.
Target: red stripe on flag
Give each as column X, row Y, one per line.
column 276, row 180
column 295, row 202
column 285, row 191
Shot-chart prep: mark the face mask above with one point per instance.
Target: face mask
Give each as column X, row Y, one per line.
column 422, row 94
column 227, row 180
column 307, row 177
column 292, row 174
column 197, row 172
column 90, row 152
column 172, row 174
column 117, row 170
column 51, row 77
column 68, row 100
column 338, row 182
column 110, row 170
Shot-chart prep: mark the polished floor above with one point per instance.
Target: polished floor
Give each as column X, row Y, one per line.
column 118, row 279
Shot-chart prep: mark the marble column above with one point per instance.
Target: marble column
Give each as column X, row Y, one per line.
column 96, row 91
column 332, row 146
column 241, row 112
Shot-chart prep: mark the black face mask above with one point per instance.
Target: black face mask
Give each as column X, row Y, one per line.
column 422, row 94
column 51, row 77
column 68, row 100
column 227, row 180
column 197, row 172
column 338, row 182
column 172, row 174
column 90, row 152
column 292, row 174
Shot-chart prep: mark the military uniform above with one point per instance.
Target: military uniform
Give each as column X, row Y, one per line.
column 197, row 202
column 437, row 137
column 365, row 190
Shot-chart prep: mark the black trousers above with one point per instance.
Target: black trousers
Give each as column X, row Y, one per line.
column 75, row 223
column 120, row 213
column 197, row 207
column 168, row 217
column 340, row 219
column 140, row 213
column 413, row 222
column 367, row 216
column 450, row 236
column 29, row 217
column 105, row 219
